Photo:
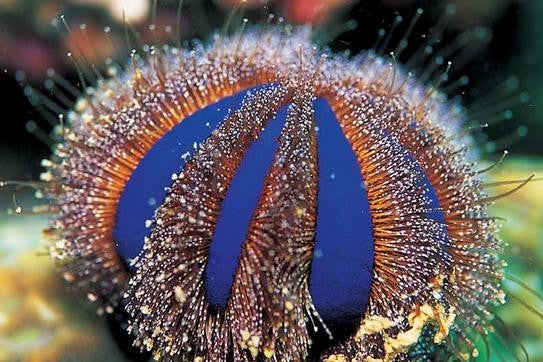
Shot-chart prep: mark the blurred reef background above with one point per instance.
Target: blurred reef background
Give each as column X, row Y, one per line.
column 500, row 75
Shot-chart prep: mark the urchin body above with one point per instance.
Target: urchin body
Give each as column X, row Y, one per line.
column 427, row 254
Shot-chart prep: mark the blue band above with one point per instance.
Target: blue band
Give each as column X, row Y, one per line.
column 145, row 190
column 237, row 210
column 341, row 270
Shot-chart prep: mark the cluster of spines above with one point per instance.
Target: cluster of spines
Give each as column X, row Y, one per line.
column 385, row 114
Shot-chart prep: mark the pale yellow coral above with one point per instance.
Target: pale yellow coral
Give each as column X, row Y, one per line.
column 374, row 324
column 336, row 358
column 417, row 319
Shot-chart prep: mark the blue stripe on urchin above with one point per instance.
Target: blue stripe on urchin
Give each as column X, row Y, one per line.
column 145, row 190
column 342, row 263
column 237, row 210
column 434, row 210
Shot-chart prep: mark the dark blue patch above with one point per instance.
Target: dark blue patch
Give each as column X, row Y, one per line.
column 435, row 211
column 434, row 208
column 144, row 191
column 341, row 270
column 237, row 210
